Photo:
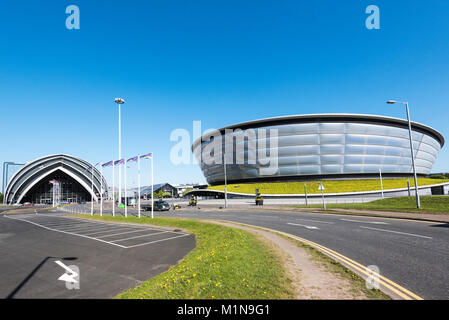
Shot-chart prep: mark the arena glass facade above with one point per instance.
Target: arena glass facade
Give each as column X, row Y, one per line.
column 321, row 146
column 74, row 176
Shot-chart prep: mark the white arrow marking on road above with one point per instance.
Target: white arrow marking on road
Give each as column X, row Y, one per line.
column 303, row 225
column 373, row 222
column 70, row 276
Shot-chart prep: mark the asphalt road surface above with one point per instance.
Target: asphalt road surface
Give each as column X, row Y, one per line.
column 413, row 254
column 110, row 257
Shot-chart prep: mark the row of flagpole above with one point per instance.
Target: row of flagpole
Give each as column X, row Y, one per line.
column 120, row 162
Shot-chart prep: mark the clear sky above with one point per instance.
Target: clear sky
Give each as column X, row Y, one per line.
column 220, row 62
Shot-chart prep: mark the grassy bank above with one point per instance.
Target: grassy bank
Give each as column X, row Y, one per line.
column 334, row 186
column 429, row 204
column 227, row 263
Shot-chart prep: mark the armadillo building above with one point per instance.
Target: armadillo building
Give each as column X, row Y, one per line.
column 318, row 146
column 68, row 176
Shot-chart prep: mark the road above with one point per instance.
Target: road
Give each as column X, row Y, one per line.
column 111, row 258
column 411, row 253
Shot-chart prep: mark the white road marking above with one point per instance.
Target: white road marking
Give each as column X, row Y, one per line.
column 82, row 228
column 108, row 230
column 73, row 234
column 303, row 225
column 116, row 234
column 145, row 235
column 142, row 244
column 317, row 221
column 404, row 233
column 263, row 216
column 120, row 226
column 359, row 221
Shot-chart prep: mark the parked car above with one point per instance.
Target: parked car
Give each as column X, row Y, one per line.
column 27, row 204
column 159, row 205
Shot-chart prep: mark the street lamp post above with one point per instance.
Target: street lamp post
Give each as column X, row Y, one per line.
column 381, row 185
column 119, row 101
column 226, row 183
column 418, row 204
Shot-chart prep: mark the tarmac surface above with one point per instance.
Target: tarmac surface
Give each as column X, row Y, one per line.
column 110, row 257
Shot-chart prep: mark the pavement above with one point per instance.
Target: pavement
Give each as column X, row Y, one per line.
column 110, row 257
column 413, row 254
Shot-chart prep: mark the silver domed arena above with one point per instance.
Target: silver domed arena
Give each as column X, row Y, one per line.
column 316, row 146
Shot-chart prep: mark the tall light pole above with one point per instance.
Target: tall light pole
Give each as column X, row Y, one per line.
column 418, row 204
column 119, row 101
column 381, row 185
column 225, row 181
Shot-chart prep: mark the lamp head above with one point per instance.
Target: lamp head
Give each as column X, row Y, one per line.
column 119, row 101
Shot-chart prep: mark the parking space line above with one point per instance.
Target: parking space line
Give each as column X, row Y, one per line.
column 142, row 244
column 145, row 235
column 108, row 223
column 75, row 228
column 74, row 234
column 116, row 234
column 107, row 230
column 88, row 227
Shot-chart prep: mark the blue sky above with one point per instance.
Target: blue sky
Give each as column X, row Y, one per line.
column 220, row 62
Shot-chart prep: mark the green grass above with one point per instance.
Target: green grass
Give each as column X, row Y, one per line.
column 227, row 263
column 429, row 204
column 332, row 186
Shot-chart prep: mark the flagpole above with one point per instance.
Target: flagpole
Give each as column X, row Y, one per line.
column 126, row 202
column 152, row 187
column 101, row 189
column 113, row 187
column 138, row 182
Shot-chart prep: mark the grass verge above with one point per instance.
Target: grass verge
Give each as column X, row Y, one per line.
column 227, row 263
column 331, row 186
column 429, row 204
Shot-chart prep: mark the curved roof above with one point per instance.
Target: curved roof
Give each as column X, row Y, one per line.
column 334, row 117
column 34, row 171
